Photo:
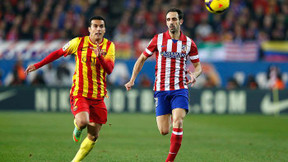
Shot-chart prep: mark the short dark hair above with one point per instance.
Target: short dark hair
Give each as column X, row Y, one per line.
column 96, row 18
column 180, row 13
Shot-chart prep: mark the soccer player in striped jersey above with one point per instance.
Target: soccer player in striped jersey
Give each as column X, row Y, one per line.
column 172, row 49
column 94, row 57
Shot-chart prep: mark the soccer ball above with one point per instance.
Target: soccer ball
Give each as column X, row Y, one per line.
column 217, row 6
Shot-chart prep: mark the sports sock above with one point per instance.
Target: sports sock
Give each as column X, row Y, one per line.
column 175, row 143
column 76, row 125
column 85, row 148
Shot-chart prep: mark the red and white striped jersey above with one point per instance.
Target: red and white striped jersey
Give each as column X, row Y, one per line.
column 171, row 57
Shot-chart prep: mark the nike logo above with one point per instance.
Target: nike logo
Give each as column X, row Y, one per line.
column 163, row 46
column 268, row 107
column 7, row 94
column 172, row 153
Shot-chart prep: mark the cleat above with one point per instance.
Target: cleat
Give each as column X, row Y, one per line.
column 76, row 133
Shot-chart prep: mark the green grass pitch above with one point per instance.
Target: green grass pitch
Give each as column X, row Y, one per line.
column 31, row 136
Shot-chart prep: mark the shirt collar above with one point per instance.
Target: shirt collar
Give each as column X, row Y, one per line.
column 182, row 36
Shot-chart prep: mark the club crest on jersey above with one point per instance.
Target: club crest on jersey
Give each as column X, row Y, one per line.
column 103, row 52
column 184, row 49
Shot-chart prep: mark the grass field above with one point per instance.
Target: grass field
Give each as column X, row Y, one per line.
column 30, row 136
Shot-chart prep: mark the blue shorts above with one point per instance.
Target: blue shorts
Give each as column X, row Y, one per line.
column 166, row 101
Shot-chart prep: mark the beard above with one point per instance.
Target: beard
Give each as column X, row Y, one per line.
column 173, row 29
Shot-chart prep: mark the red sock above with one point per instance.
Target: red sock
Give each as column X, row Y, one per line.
column 175, row 143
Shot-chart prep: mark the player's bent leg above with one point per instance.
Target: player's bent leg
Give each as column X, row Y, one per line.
column 89, row 142
column 178, row 115
column 81, row 121
column 164, row 123
column 76, row 133
column 93, row 131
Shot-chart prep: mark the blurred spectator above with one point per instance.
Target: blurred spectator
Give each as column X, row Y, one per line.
column 18, row 74
column 210, row 81
column 123, row 32
column 279, row 83
column 272, row 73
column 145, row 81
column 232, row 84
column 251, row 83
column 63, row 74
column 49, row 75
column 203, row 30
column 12, row 35
column 37, row 34
column 252, row 31
column 38, row 79
column 209, row 77
column 120, row 74
column 1, row 75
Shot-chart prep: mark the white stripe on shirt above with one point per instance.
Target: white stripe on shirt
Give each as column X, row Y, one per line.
column 159, row 44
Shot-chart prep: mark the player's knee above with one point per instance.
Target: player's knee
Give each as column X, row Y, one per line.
column 177, row 123
column 82, row 123
column 164, row 131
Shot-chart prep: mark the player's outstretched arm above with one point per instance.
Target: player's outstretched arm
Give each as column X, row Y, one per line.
column 29, row 69
column 51, row 57
column 137, row 68
column 195, row 74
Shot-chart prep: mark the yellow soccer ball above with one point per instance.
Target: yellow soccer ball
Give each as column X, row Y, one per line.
column 217, row 6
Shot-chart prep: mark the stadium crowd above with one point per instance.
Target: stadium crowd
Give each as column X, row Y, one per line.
column 130, row 20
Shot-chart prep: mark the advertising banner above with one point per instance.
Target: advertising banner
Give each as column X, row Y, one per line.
column 204, row 101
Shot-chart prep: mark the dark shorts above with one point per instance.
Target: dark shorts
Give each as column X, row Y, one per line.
column 166, row 101
column 96, row 108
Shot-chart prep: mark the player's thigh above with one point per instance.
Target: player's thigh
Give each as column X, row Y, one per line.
column 180, row 100
column 180, row 108
column 178, row 115
column 82, row 118
column 80, row 110
column 164, row 123
column 162, row 103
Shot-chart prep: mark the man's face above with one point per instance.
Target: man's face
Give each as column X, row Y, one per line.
column 173, row 23
column 97, row 29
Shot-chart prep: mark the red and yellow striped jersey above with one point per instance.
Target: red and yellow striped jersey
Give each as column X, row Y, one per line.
column 89, row 79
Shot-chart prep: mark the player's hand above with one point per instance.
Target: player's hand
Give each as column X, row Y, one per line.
column 29, row 69
column 97, row 50
column 129, row 85
column 192, row 79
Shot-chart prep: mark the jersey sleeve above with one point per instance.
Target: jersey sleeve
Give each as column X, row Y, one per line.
column 152, row 46
column 110, row 53
column 193, row 53
column 71, row 46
